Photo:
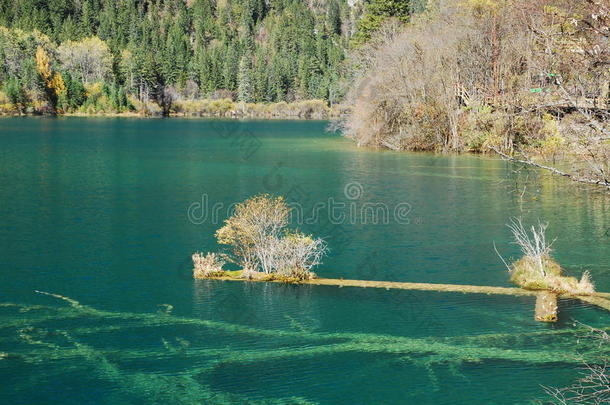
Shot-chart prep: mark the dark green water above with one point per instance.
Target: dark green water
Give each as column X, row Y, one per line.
column 97, row 210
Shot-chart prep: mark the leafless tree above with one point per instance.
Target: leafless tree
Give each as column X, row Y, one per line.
column 533, row 244
column 90, row 59
column 528, row 79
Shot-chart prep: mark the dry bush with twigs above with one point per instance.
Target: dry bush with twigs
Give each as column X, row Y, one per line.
column 206, row 266
column 263, row 246
column 537, row 270
column 417, row 87
column 252, row 228
column 296, row 254
column 226, row 107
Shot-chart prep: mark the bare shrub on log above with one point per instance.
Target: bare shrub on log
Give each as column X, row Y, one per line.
column 533, row 244
column 537, row 270
column 261, row 242
column 297, row 254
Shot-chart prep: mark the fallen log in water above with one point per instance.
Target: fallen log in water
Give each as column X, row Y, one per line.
column 546, row 301
column 422, row 286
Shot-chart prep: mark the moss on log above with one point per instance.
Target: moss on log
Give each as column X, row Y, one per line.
column 401, row 285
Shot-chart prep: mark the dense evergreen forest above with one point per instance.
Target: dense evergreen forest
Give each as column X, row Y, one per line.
column 117, row 55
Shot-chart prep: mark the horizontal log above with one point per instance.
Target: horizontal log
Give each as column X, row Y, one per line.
column 600, row 299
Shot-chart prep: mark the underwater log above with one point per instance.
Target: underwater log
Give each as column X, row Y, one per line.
column 546, row 306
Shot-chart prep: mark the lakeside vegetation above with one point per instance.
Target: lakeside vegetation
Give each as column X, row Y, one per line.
column 528, row 80
column 453, row 79
column 517, row 77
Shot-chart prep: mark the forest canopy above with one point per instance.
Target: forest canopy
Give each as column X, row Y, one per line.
column 113, row 53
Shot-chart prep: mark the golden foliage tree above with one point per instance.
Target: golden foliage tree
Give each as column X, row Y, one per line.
column 53, row 82
column 42, row 64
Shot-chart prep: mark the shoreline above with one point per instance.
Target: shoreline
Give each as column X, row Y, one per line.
column 208, row 108
column 173, row 115
column 335, row 112
column 148, row 116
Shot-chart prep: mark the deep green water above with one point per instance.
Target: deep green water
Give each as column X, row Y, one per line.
column 97, row 210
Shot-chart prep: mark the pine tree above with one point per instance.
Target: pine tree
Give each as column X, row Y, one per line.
column 13, row 88
column 376, row 12
column 230, row 68
column 149, row 45
column 88, row 23
column 245, row 88
column 74, row 96
column 334, row 17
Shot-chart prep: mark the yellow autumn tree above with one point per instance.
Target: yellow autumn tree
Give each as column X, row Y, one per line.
column 53, row 81
column 57, row 83
column 42, row 64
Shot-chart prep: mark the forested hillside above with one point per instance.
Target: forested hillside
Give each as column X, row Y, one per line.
column 107, row 53
column 116, row 55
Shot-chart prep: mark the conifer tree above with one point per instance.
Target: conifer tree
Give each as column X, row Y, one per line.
column 245, row 88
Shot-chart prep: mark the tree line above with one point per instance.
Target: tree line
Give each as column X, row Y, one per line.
column 107, row 55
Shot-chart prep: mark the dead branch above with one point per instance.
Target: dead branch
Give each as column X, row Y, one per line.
column 553, row 170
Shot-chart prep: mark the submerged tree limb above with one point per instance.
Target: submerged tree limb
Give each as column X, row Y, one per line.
column 553, row 170
column 63, row 344
column 195, row 361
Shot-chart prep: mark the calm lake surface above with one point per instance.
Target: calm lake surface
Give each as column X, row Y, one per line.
column 106, row 212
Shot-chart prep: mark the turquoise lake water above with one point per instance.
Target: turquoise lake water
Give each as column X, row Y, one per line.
column 105, row 213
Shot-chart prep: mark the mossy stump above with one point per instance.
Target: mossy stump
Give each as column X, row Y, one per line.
column 546, row 306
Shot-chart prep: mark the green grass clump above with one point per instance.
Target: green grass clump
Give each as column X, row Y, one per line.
column 525, row 273
column 233, row 273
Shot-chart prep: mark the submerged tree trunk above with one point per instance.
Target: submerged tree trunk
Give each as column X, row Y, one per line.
column 546, row 307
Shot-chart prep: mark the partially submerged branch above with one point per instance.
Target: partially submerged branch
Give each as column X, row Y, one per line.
column 554, row 170
column 593, row 386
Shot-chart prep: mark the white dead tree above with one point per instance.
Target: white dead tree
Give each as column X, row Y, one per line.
column 533, row 244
